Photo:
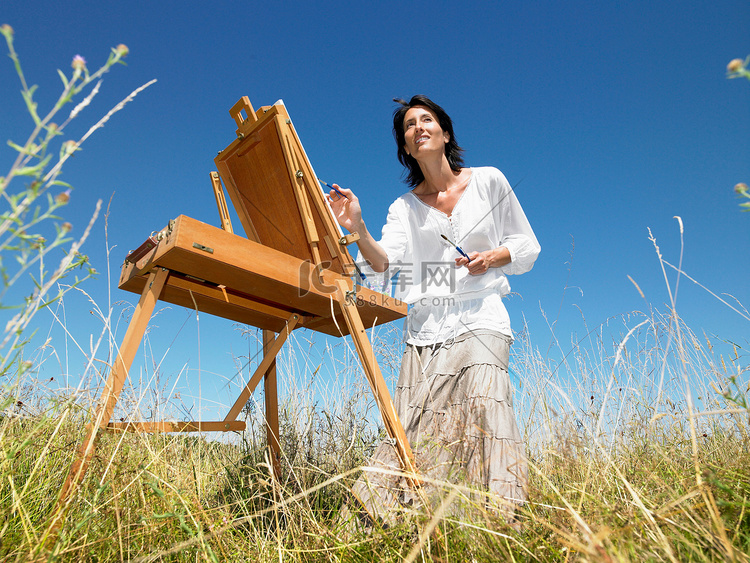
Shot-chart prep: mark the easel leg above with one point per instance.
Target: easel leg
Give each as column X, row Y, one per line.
column 272, row 408
column 375, row 378
column 106, row 406
column 267, row 368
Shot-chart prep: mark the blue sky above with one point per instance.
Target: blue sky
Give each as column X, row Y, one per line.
column 614, row 118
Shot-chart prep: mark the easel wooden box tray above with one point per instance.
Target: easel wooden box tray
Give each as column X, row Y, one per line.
column 232, row 277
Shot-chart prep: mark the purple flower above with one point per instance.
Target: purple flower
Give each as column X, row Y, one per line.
column 79, row 63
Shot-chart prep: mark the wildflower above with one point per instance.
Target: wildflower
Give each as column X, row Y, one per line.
column 66, row 227
column 741, row 188
column 79, row 63
column 63, row 197
column 38, row 243
column 122, row 50
column 735, row 65
column 69, row 147
column 6, row 30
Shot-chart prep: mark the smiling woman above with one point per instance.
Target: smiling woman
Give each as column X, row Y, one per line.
column 454, row 396
column 427, row 119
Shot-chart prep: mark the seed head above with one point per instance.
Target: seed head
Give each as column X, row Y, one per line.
column 5, row 29
column 741, row 188
column 122, row 50
column 66, row 227
column 79, row 63
column 63, row 197
column 735, row 65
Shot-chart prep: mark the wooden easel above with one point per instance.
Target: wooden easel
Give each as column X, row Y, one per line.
column 293, row 270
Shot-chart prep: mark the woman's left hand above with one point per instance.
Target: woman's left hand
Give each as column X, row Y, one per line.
column 482, row 261
column 479, row 263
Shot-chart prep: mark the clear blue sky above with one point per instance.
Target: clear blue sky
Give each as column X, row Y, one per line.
column 614, row 117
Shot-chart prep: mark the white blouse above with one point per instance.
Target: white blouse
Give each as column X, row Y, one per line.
column 445, row 301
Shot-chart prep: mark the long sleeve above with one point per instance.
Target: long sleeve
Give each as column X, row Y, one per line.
column 517, row 236
column 395, row 242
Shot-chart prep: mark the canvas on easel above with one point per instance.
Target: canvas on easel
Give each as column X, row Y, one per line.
column 270, row 180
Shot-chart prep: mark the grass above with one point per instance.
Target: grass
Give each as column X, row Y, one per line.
column 625, row 465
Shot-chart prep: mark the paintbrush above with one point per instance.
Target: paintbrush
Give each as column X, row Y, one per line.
column 330, row 186
column 453, row 244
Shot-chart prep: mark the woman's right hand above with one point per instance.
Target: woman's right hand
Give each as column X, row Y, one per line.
column 347, row 211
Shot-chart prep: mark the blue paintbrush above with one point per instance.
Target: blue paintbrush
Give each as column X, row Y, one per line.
column 330, row 186
column 453, row 244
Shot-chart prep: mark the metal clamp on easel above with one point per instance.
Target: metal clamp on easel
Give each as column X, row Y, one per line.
column 346, row 240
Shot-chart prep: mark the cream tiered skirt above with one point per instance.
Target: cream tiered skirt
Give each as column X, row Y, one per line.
column 455, row 402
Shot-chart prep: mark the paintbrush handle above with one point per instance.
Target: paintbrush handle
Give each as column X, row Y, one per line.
column 454, row 245
column 462, row 253
column 334, row 189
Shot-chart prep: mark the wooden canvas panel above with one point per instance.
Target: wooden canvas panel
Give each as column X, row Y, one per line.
column 264, row 172
column 262, row 286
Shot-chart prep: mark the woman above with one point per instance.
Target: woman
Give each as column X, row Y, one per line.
column 453, row 396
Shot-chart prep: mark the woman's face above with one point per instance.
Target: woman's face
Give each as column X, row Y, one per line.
column 422, row 132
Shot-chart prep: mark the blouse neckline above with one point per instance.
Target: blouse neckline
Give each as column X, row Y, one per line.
column 432, row 207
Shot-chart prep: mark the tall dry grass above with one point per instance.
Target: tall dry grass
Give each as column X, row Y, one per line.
column 638, row 449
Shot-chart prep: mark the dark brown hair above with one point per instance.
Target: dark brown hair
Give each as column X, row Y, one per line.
column 452, row 150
